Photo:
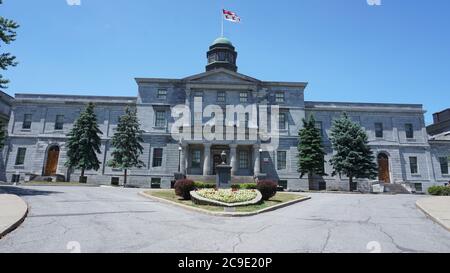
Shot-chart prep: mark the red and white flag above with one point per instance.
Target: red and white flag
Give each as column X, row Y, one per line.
column 231, row 16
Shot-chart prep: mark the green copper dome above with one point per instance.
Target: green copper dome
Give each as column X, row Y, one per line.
column 222, row 54
column 222, row 40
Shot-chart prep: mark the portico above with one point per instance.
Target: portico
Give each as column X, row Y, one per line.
column 202, row 159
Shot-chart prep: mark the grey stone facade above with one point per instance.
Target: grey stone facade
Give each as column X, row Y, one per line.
column 5, row 112
column 167, row 152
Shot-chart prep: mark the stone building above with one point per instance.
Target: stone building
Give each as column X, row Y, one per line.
column 397, row 132
column 5, row 111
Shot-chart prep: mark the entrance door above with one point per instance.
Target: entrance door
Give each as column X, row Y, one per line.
column 52, row 161
column 217, row 159
column 383, row 168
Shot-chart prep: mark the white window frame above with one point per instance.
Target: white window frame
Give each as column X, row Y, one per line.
column 153, row 157
column 244, row 155
column 161, row 94
column 158, row 121
column 412, row 130
column 221, row 96
column 376, row 129
column 26, row 121
column 24, row 149
column 441, row 159
column 282, row 168
column 280, row 97
column 244, row 96
column 416, row 165
column 59, row 123
column 285, row 118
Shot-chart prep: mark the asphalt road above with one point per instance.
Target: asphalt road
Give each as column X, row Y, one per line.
column 66, row 219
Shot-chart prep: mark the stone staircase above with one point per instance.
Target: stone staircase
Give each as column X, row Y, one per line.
column 55, row 178
column 395, row 189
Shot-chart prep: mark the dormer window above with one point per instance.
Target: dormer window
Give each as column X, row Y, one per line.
column 162, row 94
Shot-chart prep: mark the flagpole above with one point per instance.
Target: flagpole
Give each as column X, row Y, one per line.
column 221, row 16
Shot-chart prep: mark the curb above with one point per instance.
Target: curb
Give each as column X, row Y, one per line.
column 429, row 215
column 224, row 214
column 17, row 223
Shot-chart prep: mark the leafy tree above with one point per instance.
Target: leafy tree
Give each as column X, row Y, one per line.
column 353, row 156
column 2, row 135
column 311, row 153
column 127, row 143
column 84, row 142
column 7, row 35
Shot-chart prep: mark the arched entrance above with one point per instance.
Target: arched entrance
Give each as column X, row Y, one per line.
column 383, row 168
column 52, row 161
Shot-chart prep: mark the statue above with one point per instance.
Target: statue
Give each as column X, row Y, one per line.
column 223, row 178
column 224, row 158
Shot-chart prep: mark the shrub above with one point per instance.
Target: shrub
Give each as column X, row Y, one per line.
column 248, row 186
column 202, row 185
column 439, row 191
column 236, row 187
column 244, row 186
column 268, row 188
column 184, row 187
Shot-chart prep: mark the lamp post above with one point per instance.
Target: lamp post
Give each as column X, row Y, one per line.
column 260, row 159
column 179, row 158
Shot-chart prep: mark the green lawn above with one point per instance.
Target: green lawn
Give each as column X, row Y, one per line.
column 279, row 198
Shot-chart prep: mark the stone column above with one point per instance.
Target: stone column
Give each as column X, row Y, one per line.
column 257, row 160
column 233, row 159
column 207, row 160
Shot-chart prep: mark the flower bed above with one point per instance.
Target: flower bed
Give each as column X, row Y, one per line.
column 228, row 196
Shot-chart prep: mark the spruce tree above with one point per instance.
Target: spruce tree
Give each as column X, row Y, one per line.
column 353, row 157
column 7, row 35
column 84, row 142
column 311, row 153
column 127, row 143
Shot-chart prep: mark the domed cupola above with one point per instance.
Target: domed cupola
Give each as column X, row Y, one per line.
column 222, row 54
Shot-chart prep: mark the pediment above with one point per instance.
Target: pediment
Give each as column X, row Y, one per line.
column 221, row 76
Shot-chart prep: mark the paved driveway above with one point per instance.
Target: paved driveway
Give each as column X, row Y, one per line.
column 118, row 220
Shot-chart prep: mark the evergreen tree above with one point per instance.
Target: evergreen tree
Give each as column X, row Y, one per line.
column 7, row 35
column 311, row 153
column 2, row 135
column 353, row 156
column 84, row 142
column 127, row 144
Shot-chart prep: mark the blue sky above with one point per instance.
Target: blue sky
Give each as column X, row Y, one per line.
column 398, row 52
